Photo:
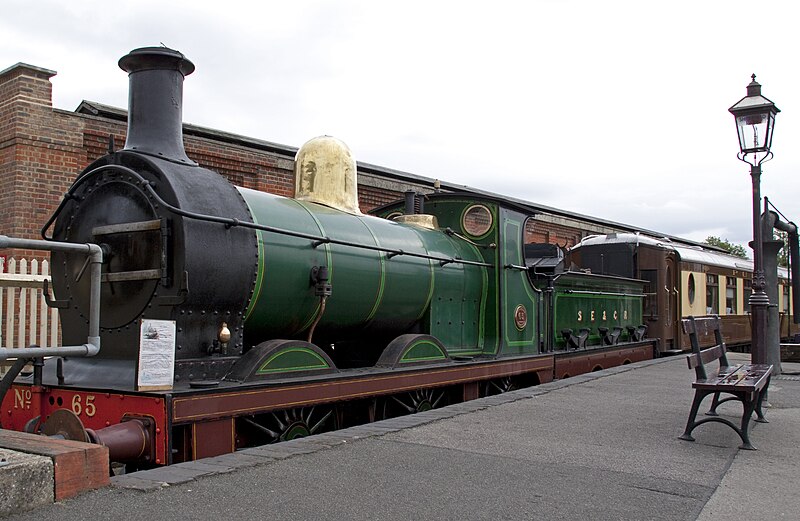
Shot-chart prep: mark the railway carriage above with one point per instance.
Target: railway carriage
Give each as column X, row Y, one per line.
column 199, row 317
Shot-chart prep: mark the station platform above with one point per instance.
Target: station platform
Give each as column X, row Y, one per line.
column 598, row 446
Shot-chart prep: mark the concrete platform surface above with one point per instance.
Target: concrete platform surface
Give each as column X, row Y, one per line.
column 598, row 446
column 26, row 481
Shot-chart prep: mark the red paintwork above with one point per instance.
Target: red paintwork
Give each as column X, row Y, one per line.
column 96, row 409
column 586, row 362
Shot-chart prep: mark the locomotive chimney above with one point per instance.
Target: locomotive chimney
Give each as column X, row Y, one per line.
column 155, row 102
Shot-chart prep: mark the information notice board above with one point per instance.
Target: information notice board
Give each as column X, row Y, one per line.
column 156, row 368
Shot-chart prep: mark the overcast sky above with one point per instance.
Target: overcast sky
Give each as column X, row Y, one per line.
column 615, row 109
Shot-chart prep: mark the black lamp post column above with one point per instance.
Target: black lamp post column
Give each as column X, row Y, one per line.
column 755, row 120
column 759, row 301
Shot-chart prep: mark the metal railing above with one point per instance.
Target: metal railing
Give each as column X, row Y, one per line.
column 94, row 259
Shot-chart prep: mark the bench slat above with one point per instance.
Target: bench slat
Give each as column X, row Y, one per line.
column 744, row 378
column 705, row 356
column 704, row 325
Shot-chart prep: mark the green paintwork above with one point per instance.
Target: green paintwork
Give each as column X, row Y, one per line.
column 291, row 360
column 615, row 302
column 455, row 309
column 297, row 430
column 490, row 314
column 517, row 289
column 424, row 350
column 463, row 310
column 372, row 293
column 279, row 307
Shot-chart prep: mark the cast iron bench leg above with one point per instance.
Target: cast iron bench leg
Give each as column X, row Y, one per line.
column 714, row 404
column 749, row 407
column 690, row 423
column 759, row 413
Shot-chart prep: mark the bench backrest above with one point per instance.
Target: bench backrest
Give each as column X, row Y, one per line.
column 699, row 357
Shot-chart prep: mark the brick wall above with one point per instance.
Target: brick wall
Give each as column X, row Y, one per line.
column 258, row 170
column 542, row 230
column 40, row 151
column 370, row 197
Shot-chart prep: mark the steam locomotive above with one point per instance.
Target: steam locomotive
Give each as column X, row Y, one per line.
column 199, row 317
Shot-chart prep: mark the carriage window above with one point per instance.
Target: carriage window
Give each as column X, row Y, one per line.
column 786, row 298
column 730, row 296
column 668, row 301
column 691, row 289
column 748, row 290
column 477, row 220
column 712, row 294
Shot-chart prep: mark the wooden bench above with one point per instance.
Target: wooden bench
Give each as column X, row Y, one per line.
column 746, row 383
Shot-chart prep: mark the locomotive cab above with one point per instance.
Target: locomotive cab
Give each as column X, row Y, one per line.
column 510, row 307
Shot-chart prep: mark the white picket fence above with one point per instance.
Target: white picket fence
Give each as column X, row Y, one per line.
column 25, row 318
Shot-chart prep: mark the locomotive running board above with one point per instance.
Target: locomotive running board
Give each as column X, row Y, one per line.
column 255, row 400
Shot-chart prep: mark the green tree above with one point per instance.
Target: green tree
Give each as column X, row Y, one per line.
column 725, row 244
column 783, row 255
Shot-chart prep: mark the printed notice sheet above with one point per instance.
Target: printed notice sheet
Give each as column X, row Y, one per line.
column 156, row 355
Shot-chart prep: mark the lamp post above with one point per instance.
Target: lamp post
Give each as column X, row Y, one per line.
column 755, row 120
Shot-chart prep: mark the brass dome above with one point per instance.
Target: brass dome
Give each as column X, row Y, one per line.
column 325, row 173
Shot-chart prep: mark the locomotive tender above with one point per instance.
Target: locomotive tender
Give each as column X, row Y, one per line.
column 691, row 280
column 220, row 317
